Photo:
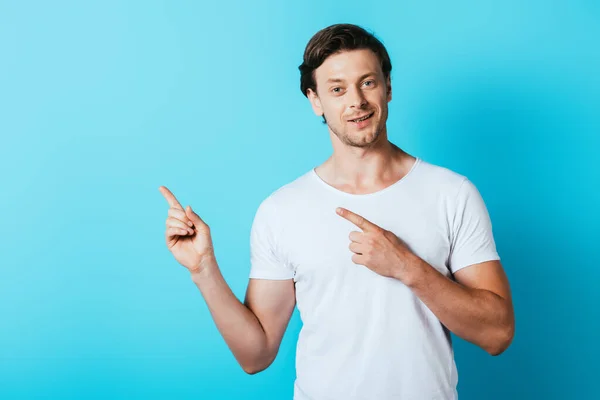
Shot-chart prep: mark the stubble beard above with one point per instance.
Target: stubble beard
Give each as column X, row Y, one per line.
column 345, row 138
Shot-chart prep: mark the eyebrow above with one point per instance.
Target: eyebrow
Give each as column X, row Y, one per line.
column 336, row 80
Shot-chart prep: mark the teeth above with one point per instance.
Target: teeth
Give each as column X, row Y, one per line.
column 361, row 119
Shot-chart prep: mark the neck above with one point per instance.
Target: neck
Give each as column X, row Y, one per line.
column 356, row 169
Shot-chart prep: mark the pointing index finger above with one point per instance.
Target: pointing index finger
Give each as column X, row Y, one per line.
column 170, row 197
column 357, row 220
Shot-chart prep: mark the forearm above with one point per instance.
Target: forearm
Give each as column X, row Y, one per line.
column 238, row 325
column 476, row 315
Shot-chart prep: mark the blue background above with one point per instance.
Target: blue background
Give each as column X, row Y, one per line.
column 103, row 102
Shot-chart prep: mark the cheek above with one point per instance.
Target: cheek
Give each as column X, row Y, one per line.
column 336, row 110
column 328, row 107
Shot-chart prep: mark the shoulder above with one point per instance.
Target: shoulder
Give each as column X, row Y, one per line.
column 443, row 180
column 456, row 191
column 287, row 196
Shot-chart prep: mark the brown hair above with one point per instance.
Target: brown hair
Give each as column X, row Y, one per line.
column 335, row 39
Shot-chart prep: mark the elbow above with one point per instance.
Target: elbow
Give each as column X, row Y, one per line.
column 252, row 370
column 496, row 351
column 502, row 340
column 257, row 355
column 256, row 366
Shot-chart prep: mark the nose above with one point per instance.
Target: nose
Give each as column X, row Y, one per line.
column 357, row 99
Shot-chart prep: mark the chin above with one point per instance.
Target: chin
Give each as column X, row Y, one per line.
column 362, row 140
column 359, row 139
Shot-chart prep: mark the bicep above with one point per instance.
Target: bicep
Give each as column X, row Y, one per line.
column 488, row 275
column 272, row 301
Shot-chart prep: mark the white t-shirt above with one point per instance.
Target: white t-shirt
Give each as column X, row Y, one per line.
column 365, row 336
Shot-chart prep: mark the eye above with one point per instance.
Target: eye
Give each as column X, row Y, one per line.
column 336, row 89
column 372, row 82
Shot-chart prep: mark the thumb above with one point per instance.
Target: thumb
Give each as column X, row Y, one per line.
column 194, row 217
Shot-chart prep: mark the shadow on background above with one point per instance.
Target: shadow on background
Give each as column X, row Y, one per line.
column 524, row 143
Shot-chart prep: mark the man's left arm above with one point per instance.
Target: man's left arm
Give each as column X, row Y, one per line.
column 477, row 306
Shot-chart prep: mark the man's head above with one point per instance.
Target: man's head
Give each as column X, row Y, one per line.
column 346, row 75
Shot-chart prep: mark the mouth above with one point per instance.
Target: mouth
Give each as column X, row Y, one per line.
column 361, row 119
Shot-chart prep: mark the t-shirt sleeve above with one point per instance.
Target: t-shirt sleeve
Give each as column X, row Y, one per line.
column 266, row 259
column 472, row 236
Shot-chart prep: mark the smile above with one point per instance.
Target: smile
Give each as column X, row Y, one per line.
column 362, row 118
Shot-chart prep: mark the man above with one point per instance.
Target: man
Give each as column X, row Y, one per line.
column 382, row 252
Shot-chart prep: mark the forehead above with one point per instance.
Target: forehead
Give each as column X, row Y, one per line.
column 348, row 65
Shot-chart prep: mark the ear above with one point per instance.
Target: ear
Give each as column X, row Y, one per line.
column 315, row 102
column 389, row 89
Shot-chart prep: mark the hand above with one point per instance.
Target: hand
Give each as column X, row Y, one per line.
column 377, row 249
column 187, row 236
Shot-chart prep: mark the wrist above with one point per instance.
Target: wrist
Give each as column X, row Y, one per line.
column 206, row 266
column 412, row 274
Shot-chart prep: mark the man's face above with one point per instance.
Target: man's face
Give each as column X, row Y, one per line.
column 351, row 85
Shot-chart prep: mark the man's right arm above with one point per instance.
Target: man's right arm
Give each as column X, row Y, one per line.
column 253, row 330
